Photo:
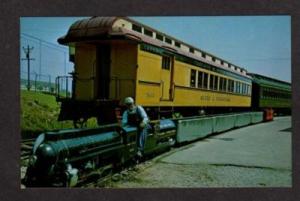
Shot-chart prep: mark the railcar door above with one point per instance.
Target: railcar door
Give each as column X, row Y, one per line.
column 102, row 71
column 167, row 78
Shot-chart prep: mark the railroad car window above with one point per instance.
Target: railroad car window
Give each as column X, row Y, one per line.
column 249, row 90
column 203, row 55
column 193, row 78
column 166, row 62
column 222, row 84
column 213, row 59
column 286, row 96
column 242, row 88
column 230, row 86
column 200, row 79
column 192, row 50
column 237, row 89
column 229, row 65
column 168, row 40
column 222, row 62
column 136, row 28
column 211, row 82
column 216, row 83
column 148, row 32
column 177, row 44
column 225, row 84
column 266, row 93
column 159, row 37
column 234, row 87
column 272, row 94
column 205, row 80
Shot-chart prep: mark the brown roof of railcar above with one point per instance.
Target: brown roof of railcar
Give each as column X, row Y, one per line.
column 88, row 28
column 96, row 27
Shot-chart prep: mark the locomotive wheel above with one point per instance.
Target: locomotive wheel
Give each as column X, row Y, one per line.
column 80, row 123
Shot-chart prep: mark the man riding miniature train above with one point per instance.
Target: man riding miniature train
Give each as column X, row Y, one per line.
column 136, row 116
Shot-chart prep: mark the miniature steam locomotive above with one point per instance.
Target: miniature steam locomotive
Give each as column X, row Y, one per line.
column 63, row 158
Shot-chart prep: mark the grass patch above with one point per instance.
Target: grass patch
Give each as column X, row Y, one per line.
column 39, row 113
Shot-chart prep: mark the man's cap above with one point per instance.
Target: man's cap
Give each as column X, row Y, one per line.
column 128, row 100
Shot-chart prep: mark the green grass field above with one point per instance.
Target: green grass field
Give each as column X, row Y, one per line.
column 39, row 113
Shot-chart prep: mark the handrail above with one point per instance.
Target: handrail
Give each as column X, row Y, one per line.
column 58, row 85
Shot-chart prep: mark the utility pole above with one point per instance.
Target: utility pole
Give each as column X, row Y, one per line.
column 27, row 51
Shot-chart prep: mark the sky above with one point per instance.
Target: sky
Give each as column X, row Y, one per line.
column 260, row 44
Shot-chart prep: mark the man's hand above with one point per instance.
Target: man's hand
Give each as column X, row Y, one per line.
column 142, row 125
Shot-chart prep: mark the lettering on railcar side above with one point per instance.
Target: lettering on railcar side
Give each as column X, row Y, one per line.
column 150, row 95
column 208, row 98
column 223, row 99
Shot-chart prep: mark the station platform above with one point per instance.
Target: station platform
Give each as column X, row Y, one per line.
column 263, row 145
column 258, row 155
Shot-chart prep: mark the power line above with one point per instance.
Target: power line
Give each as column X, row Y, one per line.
column 46, row 43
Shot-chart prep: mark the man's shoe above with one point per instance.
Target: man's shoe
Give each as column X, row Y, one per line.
column 139, row 154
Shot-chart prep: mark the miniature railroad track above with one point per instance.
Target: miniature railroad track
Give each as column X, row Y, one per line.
column 96, row 178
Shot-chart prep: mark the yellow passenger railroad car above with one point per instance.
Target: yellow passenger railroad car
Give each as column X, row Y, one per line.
column 116, row 57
